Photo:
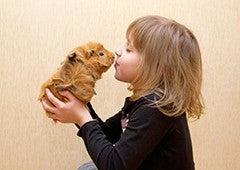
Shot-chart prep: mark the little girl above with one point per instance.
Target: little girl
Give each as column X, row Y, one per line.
column 161, row 61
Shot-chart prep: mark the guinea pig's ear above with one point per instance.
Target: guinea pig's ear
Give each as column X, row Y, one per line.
column 72, row 56
column 90, row 53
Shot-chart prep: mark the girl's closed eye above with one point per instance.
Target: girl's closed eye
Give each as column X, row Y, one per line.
column 127, row 47
column 128, row 50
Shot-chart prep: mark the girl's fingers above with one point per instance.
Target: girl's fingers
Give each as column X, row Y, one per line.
column 52, row 116
column 67, row 94
column 48, row 108
column 55, row 101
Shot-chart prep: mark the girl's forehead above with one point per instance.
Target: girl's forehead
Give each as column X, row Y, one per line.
column 131, row 40
column 128, row 41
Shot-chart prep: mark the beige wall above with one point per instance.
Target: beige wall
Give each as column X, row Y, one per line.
column 36, row 35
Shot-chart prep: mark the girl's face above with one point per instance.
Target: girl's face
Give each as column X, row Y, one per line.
column 127, row 62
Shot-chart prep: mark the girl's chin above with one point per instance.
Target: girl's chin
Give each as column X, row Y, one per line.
column 117, row 77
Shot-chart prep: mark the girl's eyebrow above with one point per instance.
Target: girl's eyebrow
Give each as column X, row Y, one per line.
column 129, row 44
column 128, row 41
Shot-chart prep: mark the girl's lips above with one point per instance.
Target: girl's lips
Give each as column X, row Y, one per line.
column 116, row 65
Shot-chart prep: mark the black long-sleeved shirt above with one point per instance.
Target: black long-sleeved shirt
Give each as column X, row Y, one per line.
column 151, row 140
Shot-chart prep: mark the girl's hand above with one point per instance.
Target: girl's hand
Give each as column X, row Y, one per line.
column 72, row 111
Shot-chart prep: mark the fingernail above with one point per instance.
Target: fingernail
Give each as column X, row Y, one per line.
column 47, row 90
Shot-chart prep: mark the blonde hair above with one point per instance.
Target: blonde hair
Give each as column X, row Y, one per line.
column 170, row 65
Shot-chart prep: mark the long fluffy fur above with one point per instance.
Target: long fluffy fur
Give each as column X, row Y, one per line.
column 79, row 72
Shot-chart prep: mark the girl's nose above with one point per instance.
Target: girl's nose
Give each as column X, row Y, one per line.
column 118, row 52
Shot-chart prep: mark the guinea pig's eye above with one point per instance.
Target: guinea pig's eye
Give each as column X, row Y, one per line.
column 101, row 54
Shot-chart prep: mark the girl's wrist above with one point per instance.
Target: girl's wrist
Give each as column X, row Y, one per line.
column 84, row 119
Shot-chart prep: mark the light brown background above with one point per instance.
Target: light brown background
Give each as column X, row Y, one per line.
column 35, row 36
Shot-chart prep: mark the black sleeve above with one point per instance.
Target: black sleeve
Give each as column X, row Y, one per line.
column 146, row 127
column 112, row 127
